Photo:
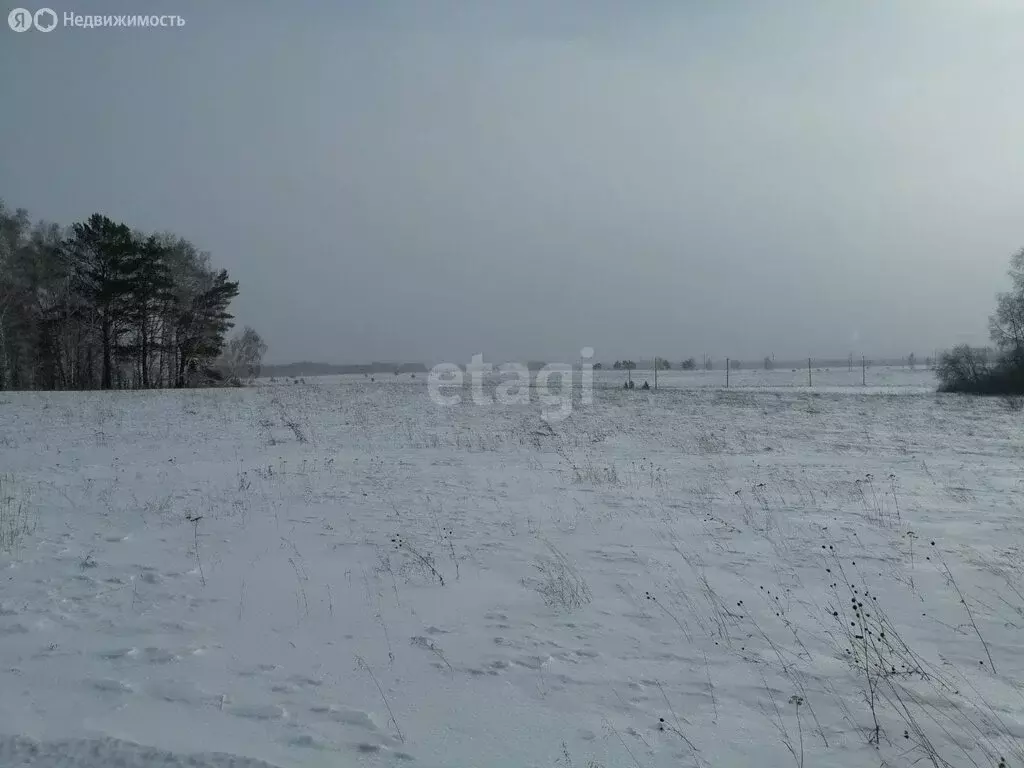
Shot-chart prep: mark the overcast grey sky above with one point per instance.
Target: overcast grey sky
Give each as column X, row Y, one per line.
column 425, row 180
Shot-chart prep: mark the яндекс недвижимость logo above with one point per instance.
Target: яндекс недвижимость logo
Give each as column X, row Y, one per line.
column 22, row 19
column 46, row 20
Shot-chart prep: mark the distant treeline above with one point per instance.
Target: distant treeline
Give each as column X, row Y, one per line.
column 330, row 369
column 767, row 363
column 98, row 305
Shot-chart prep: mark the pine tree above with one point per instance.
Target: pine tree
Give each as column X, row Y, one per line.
column 202, row 324
column 150, row 290
column 101, row 253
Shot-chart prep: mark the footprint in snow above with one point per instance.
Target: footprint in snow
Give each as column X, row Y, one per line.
column 308, row 741
column 532, row 662
column 117, row 653
column 259, row 670
column 304, row 681
column 109, row 685
column 500, row 619
column 353, row 717
column 175, row 692
column 257, row 711
column 158, row 656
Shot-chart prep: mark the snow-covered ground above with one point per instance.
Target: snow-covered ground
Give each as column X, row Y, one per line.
column 343, row 573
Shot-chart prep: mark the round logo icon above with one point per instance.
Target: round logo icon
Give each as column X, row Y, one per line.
column 45, row 19
column 20, row 20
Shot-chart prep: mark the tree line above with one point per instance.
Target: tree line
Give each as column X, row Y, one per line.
column 98, row 305
column 988, row 371
column 660, row 363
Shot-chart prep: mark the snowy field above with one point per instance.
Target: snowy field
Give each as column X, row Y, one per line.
column 342, row 573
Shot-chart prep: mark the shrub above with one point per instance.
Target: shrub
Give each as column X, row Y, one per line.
column 969, row 370
column 963, row 369
column 559, row 583
column 973, row 371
